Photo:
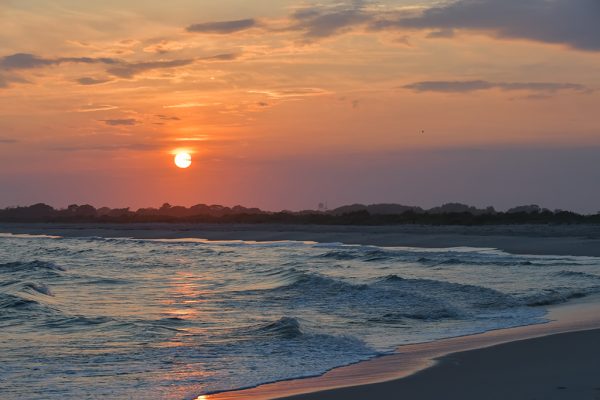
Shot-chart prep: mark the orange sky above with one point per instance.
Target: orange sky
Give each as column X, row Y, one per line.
column 285, row 103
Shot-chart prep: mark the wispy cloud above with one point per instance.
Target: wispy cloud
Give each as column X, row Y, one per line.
column 120, row 122
column 118, row 68
column 322, row 22
column 476, row 85
column 190, row 105
column 314, row 22
column 290, row 92
column 91, row 81
column 5, row 140
column 442, row 33
column 202, row 138
column 7, row 80
column 132, row 69
column 20, row 61
column 221, row 57
column 95, row 107
column 109, row 147
column 223, row 27
column 168, row 117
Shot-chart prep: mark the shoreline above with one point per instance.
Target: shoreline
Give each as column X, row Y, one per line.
column 519, row 370
column 574, row 240
column 411, row 360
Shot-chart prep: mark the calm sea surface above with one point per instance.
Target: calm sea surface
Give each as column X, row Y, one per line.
column 174, row 319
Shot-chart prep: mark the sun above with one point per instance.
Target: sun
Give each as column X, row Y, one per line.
column 183, row 159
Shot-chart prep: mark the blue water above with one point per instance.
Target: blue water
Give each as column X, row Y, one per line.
column 174, row 319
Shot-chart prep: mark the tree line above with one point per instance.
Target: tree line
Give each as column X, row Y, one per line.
column 356, row 214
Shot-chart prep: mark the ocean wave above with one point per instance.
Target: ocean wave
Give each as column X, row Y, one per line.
column 392, row 288
column 577, row 274
column 389, row 299
column 69, row 322
column 422, row 315
column 462, row 295
column 105, row 281
column 10, row 301
column 35, row 265
column 311, row 282
column 285, row 327
column 37, row 288
column 25, row 302
column 447, row 257
column 553, row 296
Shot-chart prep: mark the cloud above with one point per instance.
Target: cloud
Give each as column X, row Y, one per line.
column 223, row 27
column 111, row 147
column 130, row 70
column 7, row 80
column 23, row 61
column 442, row 33
column 20, row 61
column 317, row 23
column 290, row 92
column 118, row 68
column 120, row 122
column 96, row 107
column 191, row 105
column 167, row 117
column 476, row 85
column 164, row 46
column 5, row 140
column 91, row 81
column 570, row 22
column 200, row 138
column 133, row 69
column 222, row 57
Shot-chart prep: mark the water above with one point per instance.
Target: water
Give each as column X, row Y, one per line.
column 174, row 319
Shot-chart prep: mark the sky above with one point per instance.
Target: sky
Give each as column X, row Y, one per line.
column 284, row 104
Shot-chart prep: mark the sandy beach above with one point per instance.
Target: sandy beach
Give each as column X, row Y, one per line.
column 562, row 366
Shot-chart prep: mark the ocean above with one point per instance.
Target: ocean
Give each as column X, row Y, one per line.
column 174, row 319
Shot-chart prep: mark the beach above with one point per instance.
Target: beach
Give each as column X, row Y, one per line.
column 554, row 360
column 562, row 366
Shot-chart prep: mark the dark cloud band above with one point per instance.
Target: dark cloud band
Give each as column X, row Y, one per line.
column 223, row 27
column 569, row 22
column 21, row 61
column 475, row 85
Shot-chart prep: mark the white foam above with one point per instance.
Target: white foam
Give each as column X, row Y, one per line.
column 27, row 236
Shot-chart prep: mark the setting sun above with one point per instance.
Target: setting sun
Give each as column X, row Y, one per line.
column 183, row 160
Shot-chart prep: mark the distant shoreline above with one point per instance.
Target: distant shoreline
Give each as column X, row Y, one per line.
column 576, row 240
